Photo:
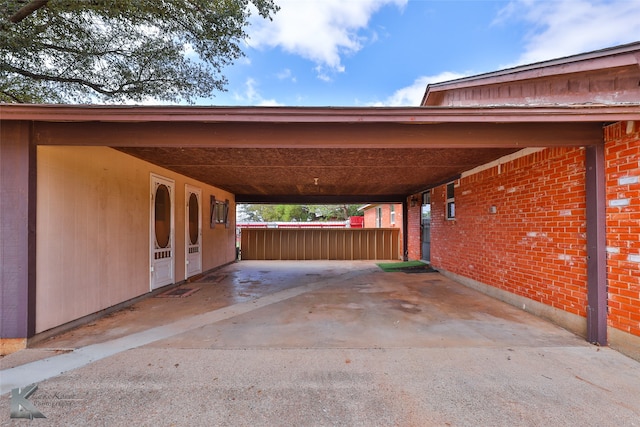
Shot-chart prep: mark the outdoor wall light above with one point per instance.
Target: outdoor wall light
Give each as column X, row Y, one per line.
column 493, row 209
column 414, row 201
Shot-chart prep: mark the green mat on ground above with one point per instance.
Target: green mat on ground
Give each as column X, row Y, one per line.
column 406, row 267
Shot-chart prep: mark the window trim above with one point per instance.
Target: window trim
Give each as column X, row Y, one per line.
column 450, row 203
column 219, row 212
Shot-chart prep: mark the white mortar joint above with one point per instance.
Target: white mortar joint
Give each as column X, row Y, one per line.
column 619, row 202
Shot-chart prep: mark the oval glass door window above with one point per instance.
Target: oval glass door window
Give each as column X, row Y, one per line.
column 193, row 219
column 163, row 216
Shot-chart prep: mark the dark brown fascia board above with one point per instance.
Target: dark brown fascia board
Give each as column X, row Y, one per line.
column 619, row 56
column 319, row 135
column 406, row 115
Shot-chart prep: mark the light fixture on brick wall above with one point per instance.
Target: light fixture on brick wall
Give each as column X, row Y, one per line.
column 493, row 209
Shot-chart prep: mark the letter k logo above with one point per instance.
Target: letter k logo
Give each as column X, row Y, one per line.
column 20, row 406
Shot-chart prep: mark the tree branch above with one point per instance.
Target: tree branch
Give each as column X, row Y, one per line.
column 25, row 73
column 96, row 87
column 86, row 52
column 27, row 10
column 11, row 96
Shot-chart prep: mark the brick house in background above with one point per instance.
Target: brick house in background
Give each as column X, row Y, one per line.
column 518, row 228
column 382, row 215
column 387, row 215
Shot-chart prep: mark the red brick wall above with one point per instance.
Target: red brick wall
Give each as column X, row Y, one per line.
column 413, row 228
column 534, row 245
column 370, row 216
column 397, row 224
column 386, row 216
column 622, row 154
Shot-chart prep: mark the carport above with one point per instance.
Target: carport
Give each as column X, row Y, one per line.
column 292, row 155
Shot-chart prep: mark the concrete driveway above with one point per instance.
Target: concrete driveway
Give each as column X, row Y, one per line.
column 323, row 343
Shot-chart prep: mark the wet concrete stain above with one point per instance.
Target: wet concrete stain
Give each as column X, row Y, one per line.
column 373, row 309
column 403, row 305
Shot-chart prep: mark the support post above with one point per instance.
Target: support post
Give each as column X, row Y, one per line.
column 17, row 234
column 596, row 245
column 405, row 230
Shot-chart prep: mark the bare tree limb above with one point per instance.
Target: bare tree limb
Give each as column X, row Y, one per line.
column 96, row 87
column 27, row 10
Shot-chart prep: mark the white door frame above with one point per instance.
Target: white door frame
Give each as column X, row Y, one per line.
column 192, row 252
column 161, row 260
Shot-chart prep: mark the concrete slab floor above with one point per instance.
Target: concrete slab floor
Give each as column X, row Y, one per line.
column 324, row 343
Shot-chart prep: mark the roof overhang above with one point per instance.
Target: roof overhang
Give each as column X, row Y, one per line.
column 358, row 155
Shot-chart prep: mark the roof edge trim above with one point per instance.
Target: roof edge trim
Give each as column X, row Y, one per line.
column 353, row 115
column 613, row 57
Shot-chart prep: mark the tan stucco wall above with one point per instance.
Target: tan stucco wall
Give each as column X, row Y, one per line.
column 93, row 213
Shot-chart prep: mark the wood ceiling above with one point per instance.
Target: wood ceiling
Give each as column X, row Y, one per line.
column 319, row 174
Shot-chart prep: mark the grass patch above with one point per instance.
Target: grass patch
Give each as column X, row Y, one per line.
column 391, row 267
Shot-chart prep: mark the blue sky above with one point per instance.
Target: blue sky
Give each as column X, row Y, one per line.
column 385, row 52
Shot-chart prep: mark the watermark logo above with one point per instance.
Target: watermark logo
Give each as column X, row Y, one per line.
column 20, row 406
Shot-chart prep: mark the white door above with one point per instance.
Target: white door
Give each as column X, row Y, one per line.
column 193, row 231
column 162, row 231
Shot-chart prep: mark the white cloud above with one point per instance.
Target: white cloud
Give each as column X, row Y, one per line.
column 561, row 28
column 411, row 96
column 322, row 31
column 252, row 96
column 286, row 74
column 269, row 103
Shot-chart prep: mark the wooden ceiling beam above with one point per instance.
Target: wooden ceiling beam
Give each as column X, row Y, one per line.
column 318, row 135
